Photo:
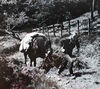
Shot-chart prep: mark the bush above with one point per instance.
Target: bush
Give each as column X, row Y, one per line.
column 36, row 13
column 14, row 77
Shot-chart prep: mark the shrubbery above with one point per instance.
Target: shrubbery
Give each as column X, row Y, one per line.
column 34, row 13
column 14, row 77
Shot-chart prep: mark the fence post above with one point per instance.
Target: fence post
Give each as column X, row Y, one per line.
column 40, row 29
column 43, row 29
column 89, row 26
column 78, row 27
column 54, row 30
column 48, row 31
column 69, row 26
column 61, row 32
column 62, row 27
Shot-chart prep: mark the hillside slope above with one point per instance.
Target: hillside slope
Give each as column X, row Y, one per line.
column 87, row 78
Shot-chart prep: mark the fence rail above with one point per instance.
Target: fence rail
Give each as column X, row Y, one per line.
column 85, row 24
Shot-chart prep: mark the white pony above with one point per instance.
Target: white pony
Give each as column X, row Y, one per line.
column 24, row 45
column 35, row 45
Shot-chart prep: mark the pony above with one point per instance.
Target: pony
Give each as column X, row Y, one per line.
column 69, row 44
column 62, row 61
column 37, row 46
column 58, row 60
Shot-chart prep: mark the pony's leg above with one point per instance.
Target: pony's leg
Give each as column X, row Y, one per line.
column 63, row 66
column 35, row 62
column 71, row 68
column 61, row 69
column 30, row 62
column 31, row 58
column 25, row 56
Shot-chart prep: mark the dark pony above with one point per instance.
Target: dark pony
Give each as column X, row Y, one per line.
column 58, row 60
column 69, row 44
column 62, row 61
column 38, row 48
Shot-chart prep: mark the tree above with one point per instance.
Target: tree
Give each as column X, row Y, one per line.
column 92, row 8
column 98, row 3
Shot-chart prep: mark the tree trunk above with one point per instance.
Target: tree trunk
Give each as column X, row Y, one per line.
column 98, row 3
column 92, row 8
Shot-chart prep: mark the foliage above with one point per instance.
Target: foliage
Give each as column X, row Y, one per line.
column 36, row 13
column 13, row 77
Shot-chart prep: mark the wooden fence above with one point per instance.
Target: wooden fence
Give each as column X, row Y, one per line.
column 86, row 23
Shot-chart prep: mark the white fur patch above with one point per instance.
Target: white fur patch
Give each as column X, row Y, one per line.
column 24, row 45
column 62, row 49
